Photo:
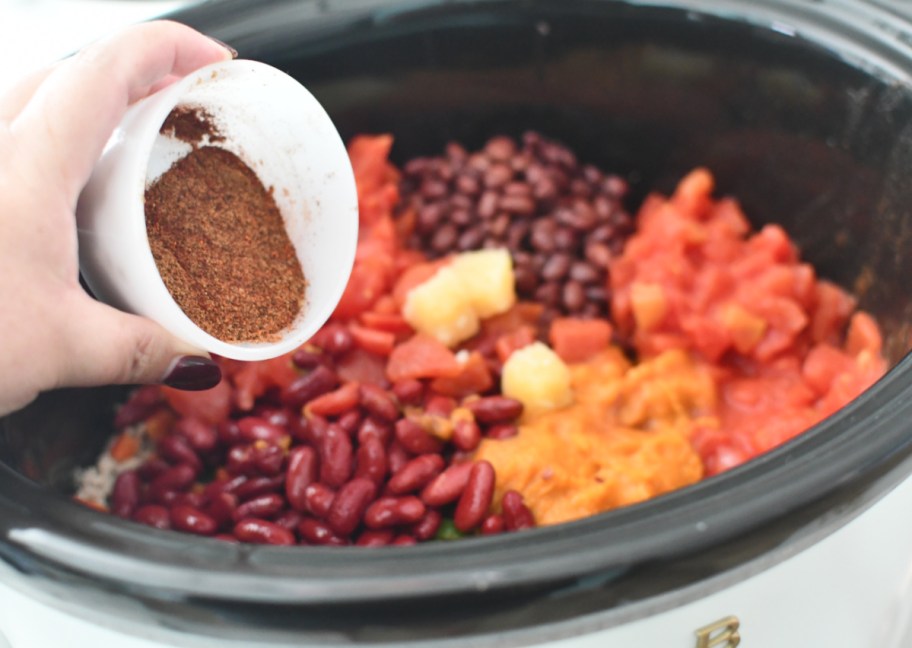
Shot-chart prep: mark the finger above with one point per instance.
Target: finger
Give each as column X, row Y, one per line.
column 14, row 98
column 78, row 106
column 106, row 346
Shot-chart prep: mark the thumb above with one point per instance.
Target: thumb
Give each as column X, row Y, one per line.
column 106, row 346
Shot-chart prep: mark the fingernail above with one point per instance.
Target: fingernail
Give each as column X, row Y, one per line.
column 193, row 373
column 231, row 50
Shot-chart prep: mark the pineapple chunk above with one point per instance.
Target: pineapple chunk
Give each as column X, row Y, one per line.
column 536, row 376
column 442, row 308
column 488, row 279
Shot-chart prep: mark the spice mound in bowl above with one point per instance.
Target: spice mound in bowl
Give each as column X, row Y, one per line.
column 219, row 240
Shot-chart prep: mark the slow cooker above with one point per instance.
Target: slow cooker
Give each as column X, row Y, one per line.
column 802, row 109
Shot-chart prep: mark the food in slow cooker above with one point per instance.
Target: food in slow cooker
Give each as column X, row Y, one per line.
column 509, row 378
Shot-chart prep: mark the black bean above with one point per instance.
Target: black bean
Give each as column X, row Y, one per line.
column 521, row 205
column 497, row 175
column 461, row 217
column 500, row 148
column 598, row 254
column 556, row 268
column 470, row 239
column 487, row 204
column 445, row 238
column 468, row 184
column 573, row 296
column 549, row 293
column 585, row 273
column 543, row 235
column 565, row 239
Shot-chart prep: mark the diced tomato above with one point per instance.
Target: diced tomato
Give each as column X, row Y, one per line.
column 253, row 379
column 474, row 378
column 523, row 313
column 513, row 341
column 211, row 405
column 373, row 340
column 363, row 367
column 863, row 335
column 341, row 400
column 124, row 447
column 390, row 322
column 421, row 356
column 576, row 340
column 365, row 285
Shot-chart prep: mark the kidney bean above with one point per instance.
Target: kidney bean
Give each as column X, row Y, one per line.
column 268, row 459
column 240, row 460
column 176, row 450
column 448, row 485
column 438, row 405
column 302, row 471
column 319, row 499
column 415, row 474
column 409, row 391
column 466, row 435
column 350, row 421
column 476, row 498
column 254, row 486
column 374, row 538
column 394, row 511
column 262, row 532
column 307, row 358
column 175, row 478
column 415, row 439
column 192, row 520
column 516, row 515
column 404, row 540
column 289, row 519
column 494, row 409
column 336, row 402
column 263, row 506
column 309, row 429
column 221, row 508
column 379, row 403
column 125, row 494
column 320, row 380
column 191, row 498
column 336, row 340
column 153, row 515
column 349, row 505
column 370, row 461
column 396, row 457
column 502, row 431
column 229, row 432
column 254, row 428
column 335, row 457
column 214, row 488
column 201, row 436
column 226, row 537
column 370, row 427
column 152, row 468
column 140, row 405
column 279, row 416
column 492, row 525
column 319, row 533
column 426, row 528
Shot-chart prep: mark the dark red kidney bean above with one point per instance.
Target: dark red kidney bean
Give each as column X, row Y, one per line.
column 349, row 505
column 262, row 506
column 268, row 459
column 495, row 409
column 336, row 340
column 448, row 485
column 409, row 391
column 415, row 439
column 309, row 428
column 176, row 450
column 404, row 540
column 516, row 515
column 191, row 498
column 164, row 496
column 254, row 428
column 415, row 474
column 378, row 402
column 125, row 493
column 217, row 487
column 476, row 498
column 396, row 457
column 502, row 431
column 370, row 460
column 302, row 389
column 492, row 525
column 152, row 468
column 226, row 537
column 221, row 508
column 254, row 486
column 370, row 427
column 174, row 478
column 426, row 528
column 388, row 512
column 140, row 405
column 289, row 520
column 192, row 520
column 240, row 460
column 319, row 499
column 201, row 436
column 262, row 532
column 302, row 472
column 229, row 432
column 275, row 415
column 374, row 538
column 153, row 515
column 350, row 421
column 466, row 435
column 316, row 532
column 336, row 456
column 305, row 358
column 438, row 405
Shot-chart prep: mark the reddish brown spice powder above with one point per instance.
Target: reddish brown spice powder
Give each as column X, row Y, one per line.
column 221, row 247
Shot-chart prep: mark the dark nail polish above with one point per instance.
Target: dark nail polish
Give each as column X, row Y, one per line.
column 193, row 373
column 231, row 50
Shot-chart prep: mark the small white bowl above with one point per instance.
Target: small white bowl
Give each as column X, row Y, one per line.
column 277, row 128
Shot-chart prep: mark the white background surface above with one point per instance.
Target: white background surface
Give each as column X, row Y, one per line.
column 35, row 33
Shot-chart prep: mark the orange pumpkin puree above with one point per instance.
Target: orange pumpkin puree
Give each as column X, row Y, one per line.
column 625, row 439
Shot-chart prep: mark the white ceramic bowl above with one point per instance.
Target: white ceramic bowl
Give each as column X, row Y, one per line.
column 277, row 128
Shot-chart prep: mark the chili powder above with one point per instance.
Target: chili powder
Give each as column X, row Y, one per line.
column 221, row 247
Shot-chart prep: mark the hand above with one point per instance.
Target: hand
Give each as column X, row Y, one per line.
column 53, row 127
